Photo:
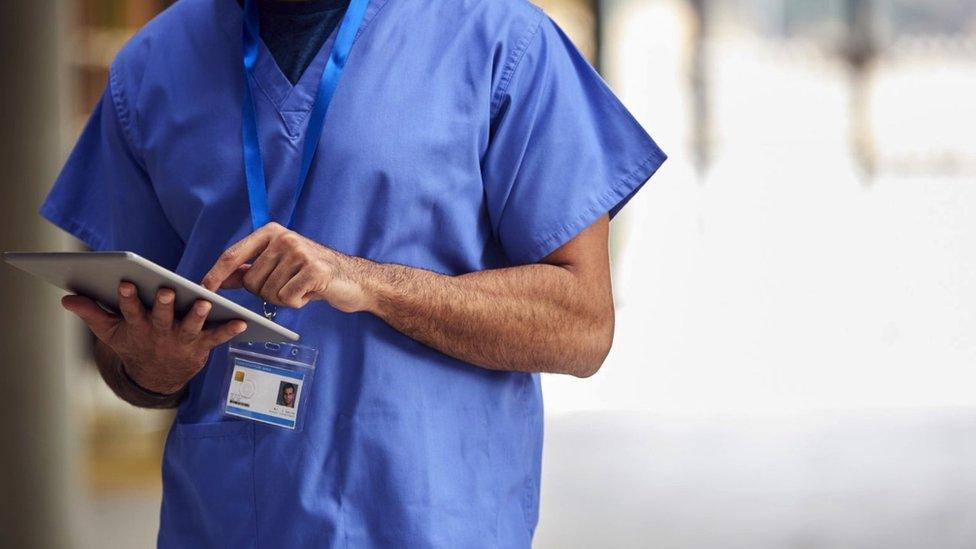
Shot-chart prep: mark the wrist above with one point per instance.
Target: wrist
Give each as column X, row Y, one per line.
column 354, row 286
column 112, row 369
column 371, row 286
column 152, row 391
column 383, row 288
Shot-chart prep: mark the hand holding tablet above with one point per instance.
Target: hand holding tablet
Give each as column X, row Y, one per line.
column 97, row 275
column 159, row 351
column 160, row 325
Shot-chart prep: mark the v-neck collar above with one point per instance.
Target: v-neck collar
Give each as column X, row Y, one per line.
column 293, row 102
column 286, row 96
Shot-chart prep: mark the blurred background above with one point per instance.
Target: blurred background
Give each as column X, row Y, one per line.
column 796, row 334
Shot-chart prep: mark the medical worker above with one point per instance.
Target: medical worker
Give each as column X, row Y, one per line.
column 422, row 190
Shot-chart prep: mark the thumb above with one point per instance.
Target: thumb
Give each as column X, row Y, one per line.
column 100, row 322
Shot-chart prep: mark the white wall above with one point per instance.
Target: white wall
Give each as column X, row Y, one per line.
column 780, row 280
column 793, row 363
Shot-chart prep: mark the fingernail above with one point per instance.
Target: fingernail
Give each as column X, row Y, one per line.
column 240, row 328
column 125, row 290
column 203, row 308
column 165, row 297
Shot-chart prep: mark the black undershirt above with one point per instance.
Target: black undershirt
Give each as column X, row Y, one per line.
column 294, row 31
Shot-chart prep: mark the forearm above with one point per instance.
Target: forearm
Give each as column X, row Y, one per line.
column 113, row 372
column 552, row 316
column 532, row 318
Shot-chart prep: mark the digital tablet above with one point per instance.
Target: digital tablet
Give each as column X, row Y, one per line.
column 97, row 275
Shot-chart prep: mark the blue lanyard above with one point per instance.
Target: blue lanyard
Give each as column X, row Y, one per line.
column 257, row 190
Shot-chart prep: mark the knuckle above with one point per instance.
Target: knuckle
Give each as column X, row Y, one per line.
column 284, row 243
column 285, row 298
column 249, row 281
column 133, row 321
column 291, row 298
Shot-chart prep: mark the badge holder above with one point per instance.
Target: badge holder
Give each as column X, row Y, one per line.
column 270, row 383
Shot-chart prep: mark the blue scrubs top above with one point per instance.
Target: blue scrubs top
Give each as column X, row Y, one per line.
column 463, row 136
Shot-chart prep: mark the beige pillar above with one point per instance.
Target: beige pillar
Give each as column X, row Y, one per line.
column 36, row 483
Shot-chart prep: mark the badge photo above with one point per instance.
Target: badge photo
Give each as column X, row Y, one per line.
column 269, row 382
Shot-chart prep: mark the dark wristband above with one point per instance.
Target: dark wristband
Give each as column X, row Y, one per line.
column 150, row 398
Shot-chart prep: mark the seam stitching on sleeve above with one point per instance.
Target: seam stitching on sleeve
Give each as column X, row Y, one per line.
column 606, row 200
column 122, row 112
column 73, row 227
column 514, row 60
column 126, row 124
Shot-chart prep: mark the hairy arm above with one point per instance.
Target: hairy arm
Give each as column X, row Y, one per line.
column 553, row 316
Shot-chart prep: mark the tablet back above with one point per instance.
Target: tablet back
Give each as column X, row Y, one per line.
column 97, row 275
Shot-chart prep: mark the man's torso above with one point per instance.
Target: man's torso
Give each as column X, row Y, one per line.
column 403, row 446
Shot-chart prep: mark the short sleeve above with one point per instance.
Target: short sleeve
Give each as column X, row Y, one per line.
column 562, row 151
column 104, row 197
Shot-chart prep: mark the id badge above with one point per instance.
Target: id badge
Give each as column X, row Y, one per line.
column 270, row 383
